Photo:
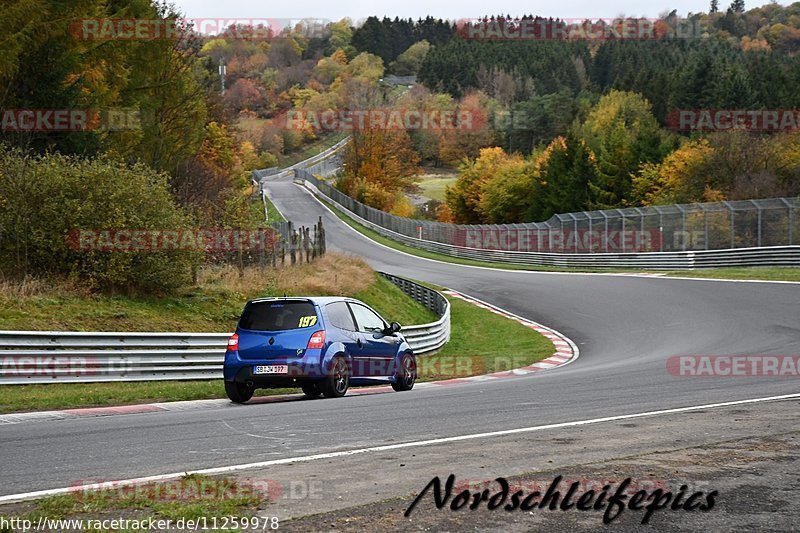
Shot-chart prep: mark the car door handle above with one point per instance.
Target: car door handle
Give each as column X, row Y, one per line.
column 358, row 341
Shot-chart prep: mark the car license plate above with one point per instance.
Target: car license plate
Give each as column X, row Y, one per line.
column 271, row 369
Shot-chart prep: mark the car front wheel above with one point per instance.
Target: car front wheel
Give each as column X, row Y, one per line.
column 238, row 392
column 406, row 375
column 338, row 380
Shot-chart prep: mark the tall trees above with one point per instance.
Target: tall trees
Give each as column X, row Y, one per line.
column 734, row 165
column 623, row 134
column 569, row 170
column 50, row 62
column 388, row 38
column 409, row 62
column 539, row 120
column 379, row 166
column 464, row 196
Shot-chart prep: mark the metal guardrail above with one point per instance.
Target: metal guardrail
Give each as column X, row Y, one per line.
column 425, row 338
column 788, row 255
column 76, row 357
column 322, row 156
column 761, row 223
column 323, row 164
column 673, row 237
column 28, row 357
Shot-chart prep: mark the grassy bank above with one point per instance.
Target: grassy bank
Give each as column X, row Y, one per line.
column 377, row 237
column 751, row 273
column 192, row 497
column 433, row 186
column 212, row 304
column 48, row 397
column 481, row 342
column 273, row 215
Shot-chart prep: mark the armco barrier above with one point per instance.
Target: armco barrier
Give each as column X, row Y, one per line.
column 63, row 357
column 425, row 337
column 679, row 260
column 325, row 154
column 28, row 357
column 670, row 237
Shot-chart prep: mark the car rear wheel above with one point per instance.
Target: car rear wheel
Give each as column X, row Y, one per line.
column 238, row 392
column 406, row 375
column 311, row 390
column 338, row 380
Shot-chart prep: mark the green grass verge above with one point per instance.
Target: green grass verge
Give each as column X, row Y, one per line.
column 193, row 497
column 434, row 188
column 273, row 214
column 206, row 308
column 375, row 236
column 44, row 397
column 481, row 342
column 196, row 309
column 753, row 273
column 310, row 150
column 394, row 304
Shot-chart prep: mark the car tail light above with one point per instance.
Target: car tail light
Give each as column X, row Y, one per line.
column 233, row 343
column 317, row 340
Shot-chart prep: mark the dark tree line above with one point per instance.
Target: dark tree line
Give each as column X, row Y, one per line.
column 388, row 38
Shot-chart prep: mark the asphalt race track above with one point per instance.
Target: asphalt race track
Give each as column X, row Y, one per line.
column 625, row 326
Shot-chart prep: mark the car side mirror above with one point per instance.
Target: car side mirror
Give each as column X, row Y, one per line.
column 391, row 329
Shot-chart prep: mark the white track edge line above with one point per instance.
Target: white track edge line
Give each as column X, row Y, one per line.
column 12, row 498
column 575, row 350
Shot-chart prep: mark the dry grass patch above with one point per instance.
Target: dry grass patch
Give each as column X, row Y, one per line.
column 332, row 275
column 13, row 290
column 212, row 304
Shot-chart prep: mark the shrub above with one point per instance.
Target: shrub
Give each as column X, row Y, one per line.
column 45, row 198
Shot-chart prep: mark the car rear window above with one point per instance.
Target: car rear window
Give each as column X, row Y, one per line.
column 278, row 315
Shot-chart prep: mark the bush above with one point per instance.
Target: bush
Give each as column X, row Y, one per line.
column 45, row 199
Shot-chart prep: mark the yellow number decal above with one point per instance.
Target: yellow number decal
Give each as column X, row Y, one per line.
column 306, row 321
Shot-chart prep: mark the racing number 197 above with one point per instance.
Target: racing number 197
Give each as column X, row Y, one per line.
column 307, row 321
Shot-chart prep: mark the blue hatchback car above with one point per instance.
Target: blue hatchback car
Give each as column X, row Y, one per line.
column 321, row 344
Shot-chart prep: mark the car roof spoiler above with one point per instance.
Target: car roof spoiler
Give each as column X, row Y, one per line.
column 280, row 299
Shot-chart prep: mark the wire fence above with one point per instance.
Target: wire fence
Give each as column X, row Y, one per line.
column 671, row 228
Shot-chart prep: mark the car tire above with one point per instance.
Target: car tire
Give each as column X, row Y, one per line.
column 238, row 392
column 406, row 374
column 338, row 379
column 311, row 390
